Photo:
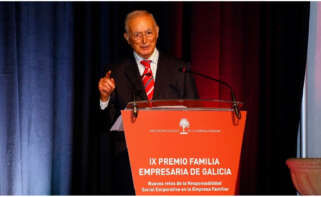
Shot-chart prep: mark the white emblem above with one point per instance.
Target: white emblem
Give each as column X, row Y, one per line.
column 184, row 124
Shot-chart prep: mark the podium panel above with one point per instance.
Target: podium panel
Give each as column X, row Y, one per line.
column 184, row 152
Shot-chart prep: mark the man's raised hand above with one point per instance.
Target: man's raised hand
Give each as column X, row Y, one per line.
column 106, row 86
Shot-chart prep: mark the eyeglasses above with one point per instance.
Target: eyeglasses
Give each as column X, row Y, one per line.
column 138, row 36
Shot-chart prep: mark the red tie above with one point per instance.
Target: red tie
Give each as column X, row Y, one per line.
column 148, row 79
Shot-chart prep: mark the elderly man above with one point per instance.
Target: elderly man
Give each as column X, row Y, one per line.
column 147, row 75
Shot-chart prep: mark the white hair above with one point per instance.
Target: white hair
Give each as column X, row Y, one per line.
column 136, row 13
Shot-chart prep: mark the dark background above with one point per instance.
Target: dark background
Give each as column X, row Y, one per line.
column 53, row 54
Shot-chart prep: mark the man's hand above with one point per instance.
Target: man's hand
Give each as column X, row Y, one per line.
column 106, row 86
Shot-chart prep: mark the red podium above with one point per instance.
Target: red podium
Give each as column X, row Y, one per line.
column 184, row 147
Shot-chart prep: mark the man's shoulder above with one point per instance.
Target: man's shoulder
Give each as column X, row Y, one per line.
column 170, row 60
column 167, row 56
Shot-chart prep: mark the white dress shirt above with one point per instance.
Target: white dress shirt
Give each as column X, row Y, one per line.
column 154, row 58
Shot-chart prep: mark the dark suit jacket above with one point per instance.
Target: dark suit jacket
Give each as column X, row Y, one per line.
column 170, row 83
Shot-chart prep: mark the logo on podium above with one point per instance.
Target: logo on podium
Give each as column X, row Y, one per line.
column 184, row 123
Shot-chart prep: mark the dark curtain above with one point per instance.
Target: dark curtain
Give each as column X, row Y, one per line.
column 260, row 49
column 36, row 88
column 53, row 54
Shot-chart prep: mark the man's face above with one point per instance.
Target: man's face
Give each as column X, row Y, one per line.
column 142, row 35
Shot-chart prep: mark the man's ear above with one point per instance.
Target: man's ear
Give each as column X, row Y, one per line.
column 157, row 31
column 126, row 36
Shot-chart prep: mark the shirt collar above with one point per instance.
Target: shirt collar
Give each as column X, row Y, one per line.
column 153, row 57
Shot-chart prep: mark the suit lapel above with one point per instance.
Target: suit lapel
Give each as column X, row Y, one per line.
column 161, row 82
column 161, row 77
column 134, row 80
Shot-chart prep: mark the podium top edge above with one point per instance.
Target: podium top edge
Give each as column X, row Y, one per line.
column 184, row 104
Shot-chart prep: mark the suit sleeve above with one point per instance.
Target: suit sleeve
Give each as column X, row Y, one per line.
column 108, row 116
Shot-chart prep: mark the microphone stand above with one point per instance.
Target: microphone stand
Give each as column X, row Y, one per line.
column 234, row 105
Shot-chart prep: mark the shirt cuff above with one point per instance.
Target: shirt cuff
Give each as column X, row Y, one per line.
column 104, row 104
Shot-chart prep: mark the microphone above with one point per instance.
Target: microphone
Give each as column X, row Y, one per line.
column 135, row 108
column 135, row 93
column 234, row 105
